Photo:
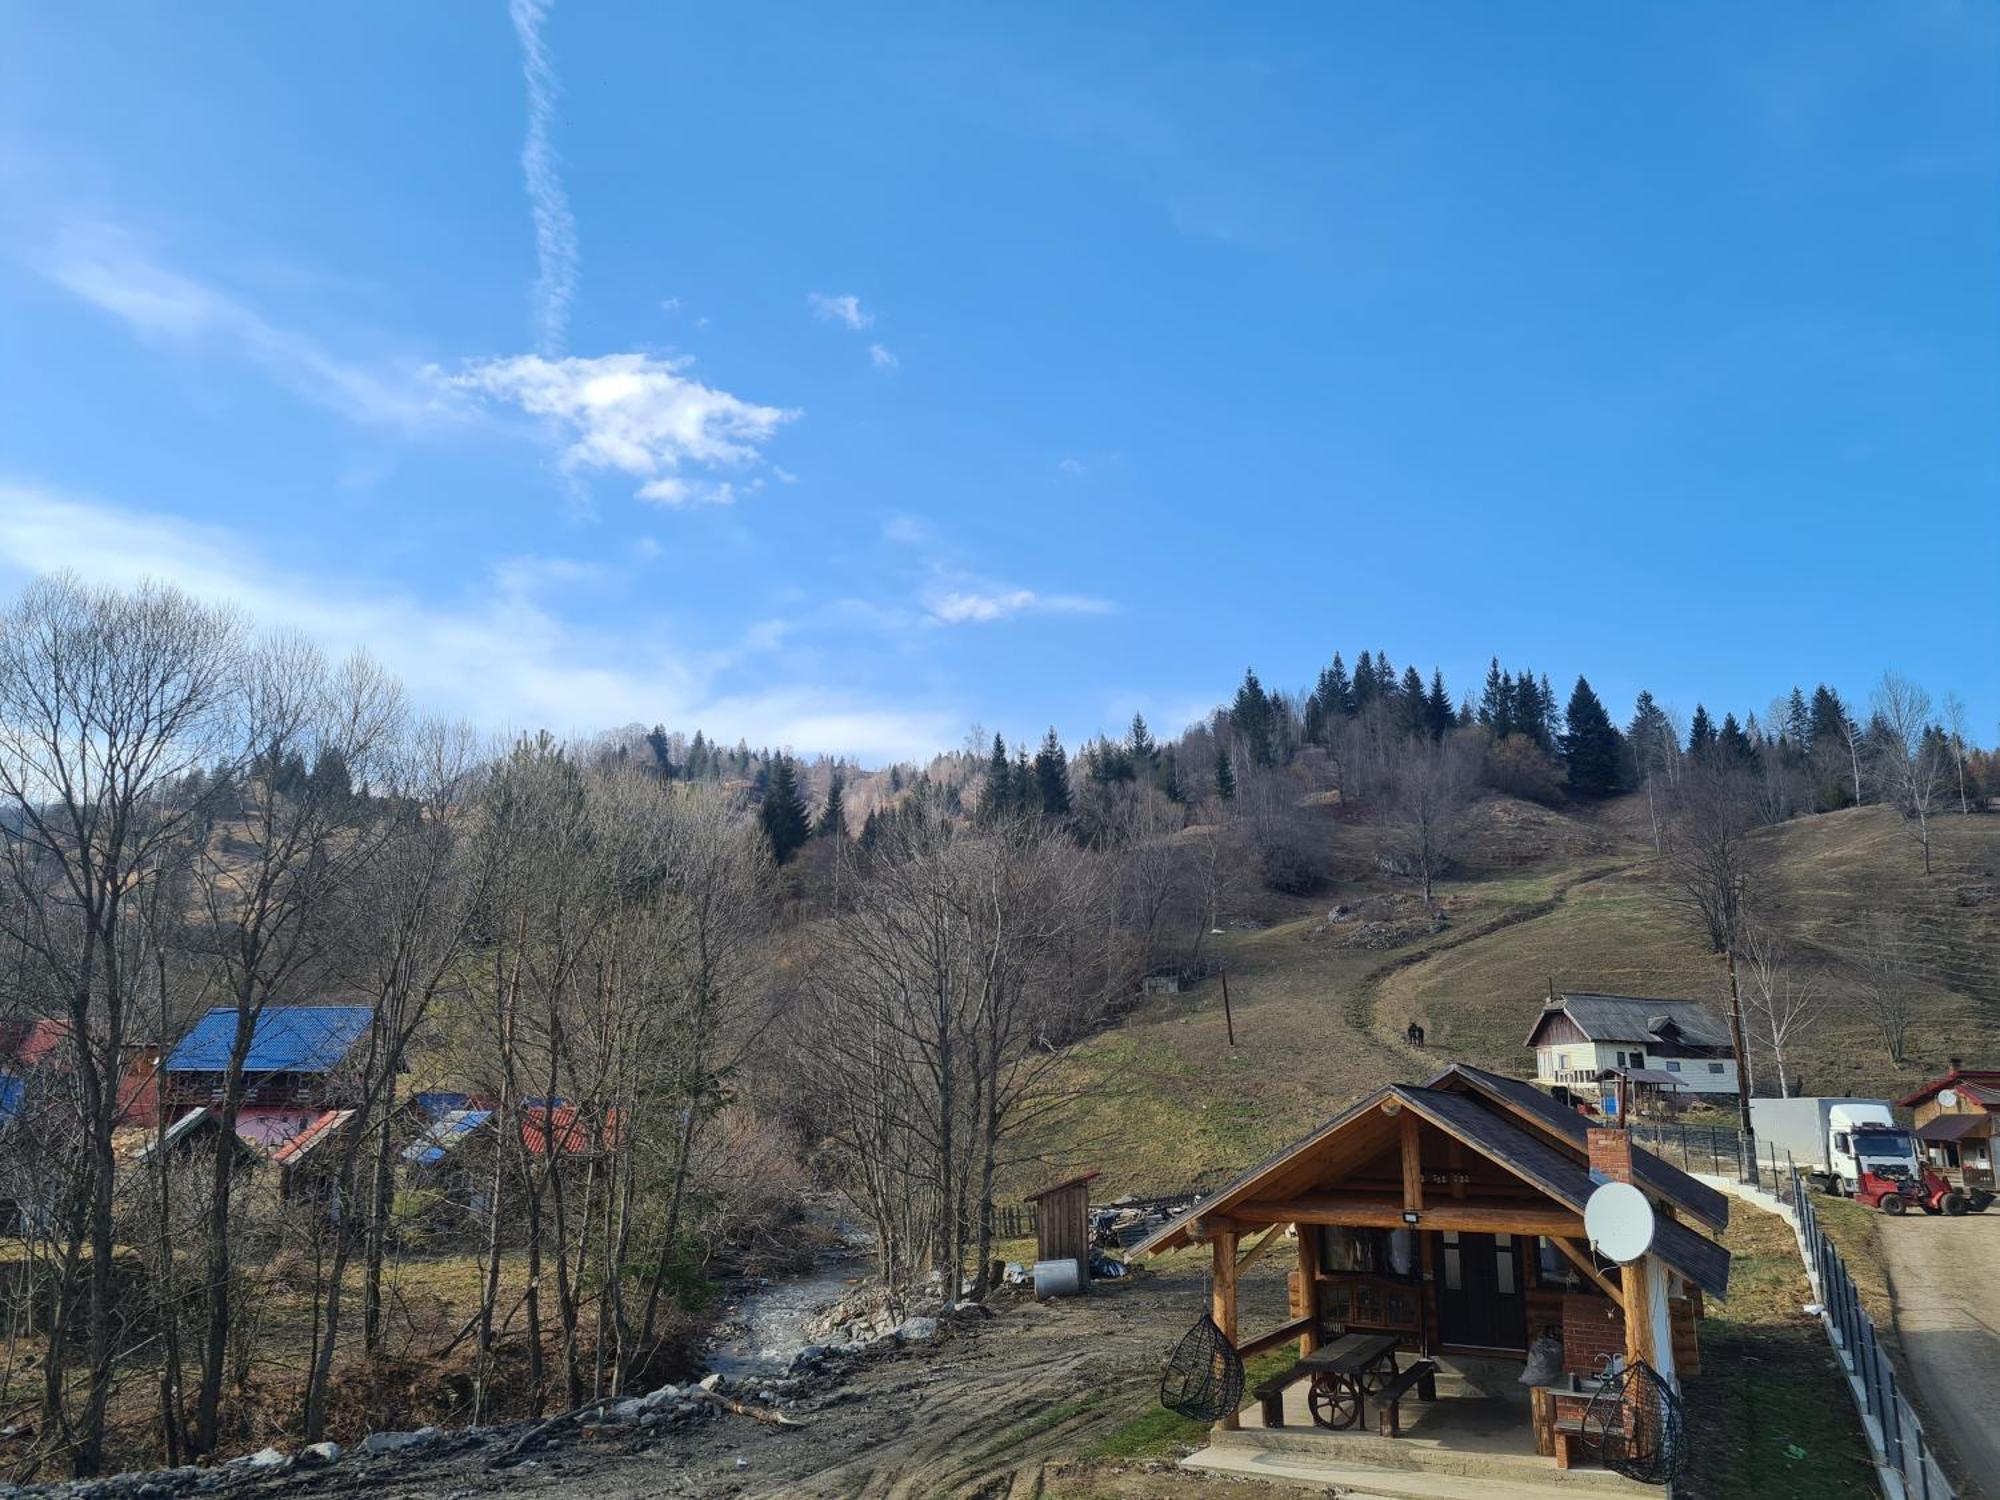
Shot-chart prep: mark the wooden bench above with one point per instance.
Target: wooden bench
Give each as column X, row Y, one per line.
column 1389, row 1398
column 1270, row 1394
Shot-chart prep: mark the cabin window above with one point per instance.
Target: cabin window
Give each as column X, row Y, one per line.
column 1673, row 1065
column 1368, row 1252
column 1503, row 1264
column 1715, row 1067
column 1454, row 1277
column 1840, row 1141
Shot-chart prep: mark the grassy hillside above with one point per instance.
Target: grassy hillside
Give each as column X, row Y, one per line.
column 1562, row 897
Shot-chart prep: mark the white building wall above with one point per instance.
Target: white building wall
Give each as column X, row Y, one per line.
column 1580, row 1062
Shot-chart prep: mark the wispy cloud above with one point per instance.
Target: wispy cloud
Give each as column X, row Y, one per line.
column 110, row 270
column 501, row 654
column 634, row 415
column 845, row 309
column 881, row 358
column 1075, row 468
column 555, row 225
column 982, row 607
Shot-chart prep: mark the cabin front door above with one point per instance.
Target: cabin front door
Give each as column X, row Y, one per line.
column 1480, row 1302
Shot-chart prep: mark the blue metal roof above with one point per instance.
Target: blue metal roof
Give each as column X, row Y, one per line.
column 429, row 1149
column 12, row 1088
column 287, row 1039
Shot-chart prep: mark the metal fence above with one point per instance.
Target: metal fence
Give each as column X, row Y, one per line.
column 1898, row 1433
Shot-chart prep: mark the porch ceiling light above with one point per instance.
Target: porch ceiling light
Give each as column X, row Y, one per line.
column 1410, row 1216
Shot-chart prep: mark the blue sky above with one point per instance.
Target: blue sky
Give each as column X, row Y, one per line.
column 840, row 377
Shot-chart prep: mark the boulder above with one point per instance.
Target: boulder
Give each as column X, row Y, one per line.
column 917, row 1331
column 319, row 1455
column 266, row 1458
column 398, row 1442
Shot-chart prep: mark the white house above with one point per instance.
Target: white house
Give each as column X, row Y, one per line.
column 1580, row 1038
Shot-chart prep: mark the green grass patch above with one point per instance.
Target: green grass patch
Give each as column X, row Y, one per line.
column 1159, row 1433
column 1769, row 1415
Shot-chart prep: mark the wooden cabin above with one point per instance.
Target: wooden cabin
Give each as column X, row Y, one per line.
column 1446, row 1220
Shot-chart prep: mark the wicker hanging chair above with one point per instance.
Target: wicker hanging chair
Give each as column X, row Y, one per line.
column 1203, row 1378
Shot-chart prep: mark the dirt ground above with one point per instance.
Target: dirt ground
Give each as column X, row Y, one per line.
column 1944, row 1275
column 997, row 1411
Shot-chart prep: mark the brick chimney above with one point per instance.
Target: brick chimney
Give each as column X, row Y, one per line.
column 1611, row 1152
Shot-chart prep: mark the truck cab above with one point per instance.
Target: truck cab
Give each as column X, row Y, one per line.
column 1865, row 1139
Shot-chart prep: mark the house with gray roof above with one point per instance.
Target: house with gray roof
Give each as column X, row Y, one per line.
column 1582, row 1039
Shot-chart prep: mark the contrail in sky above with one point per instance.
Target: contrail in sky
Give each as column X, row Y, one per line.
column 555, row 226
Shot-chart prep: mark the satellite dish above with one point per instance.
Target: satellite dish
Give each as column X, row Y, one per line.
column 1619, row 1222
column 1948, row 1098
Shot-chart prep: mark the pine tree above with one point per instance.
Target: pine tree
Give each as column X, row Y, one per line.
column 783, row 812
column 1336, row 692
column 1438, row 706
column 1366, row 689
column 1251, row 714
column 697, row 761
column 1496, row 701
column 895, row 778
column 1650, row 737
column 1590, row 743
column 1027, row 792
column 1052, row 777
column 832, row 816
column 1145, row 754
column 996, row 797
column 1413, row 705
column 1225, row 774
column 662, row 748
column 1733, row 745
column 1701, row 733
column 1798, row 723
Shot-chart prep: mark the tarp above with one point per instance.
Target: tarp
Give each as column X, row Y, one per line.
column 444, row 1135
column 287, row 1039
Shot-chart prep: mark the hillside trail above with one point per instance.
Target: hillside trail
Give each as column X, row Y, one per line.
column 1363, row 1001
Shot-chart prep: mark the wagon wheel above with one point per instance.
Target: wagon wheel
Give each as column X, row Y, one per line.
column 1334, row 1401
column 1605, row 1418
column 1377, row 1375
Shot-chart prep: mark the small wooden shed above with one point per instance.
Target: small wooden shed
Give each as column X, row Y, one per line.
column 1062, row 1222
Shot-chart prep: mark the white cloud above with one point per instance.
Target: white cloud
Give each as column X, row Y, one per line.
column 845, row 308
column 980, row 607
column 1075, row 468
column 633, row 414
column 499, row 655
column 107, row 269
column 555, row 226
column 881, row 358
column 670, row 304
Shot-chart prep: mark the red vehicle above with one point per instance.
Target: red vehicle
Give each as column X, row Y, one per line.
column 1895, row 1189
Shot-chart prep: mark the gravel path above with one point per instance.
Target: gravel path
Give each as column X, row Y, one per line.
column 1945, row 1276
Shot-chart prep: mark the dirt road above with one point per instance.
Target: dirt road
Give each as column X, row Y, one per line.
column 982, row 1416
column 1945, row 1277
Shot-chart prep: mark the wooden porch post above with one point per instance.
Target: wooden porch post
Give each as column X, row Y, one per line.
column 1223, row 1297
column 1309, row 1285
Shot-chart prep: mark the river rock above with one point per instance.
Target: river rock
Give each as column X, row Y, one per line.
column 319, row 1455
column 628, row 1411
column 397, row 1442
column 266, row 1458
column 917, row 1331
column 712, row 1382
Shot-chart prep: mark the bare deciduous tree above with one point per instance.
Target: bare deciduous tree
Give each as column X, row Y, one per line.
column 1781, row 1005
column 1430, row 785
column 1884, row 962
column 1909, row 760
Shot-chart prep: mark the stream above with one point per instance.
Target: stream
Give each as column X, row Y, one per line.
column 764, row 1327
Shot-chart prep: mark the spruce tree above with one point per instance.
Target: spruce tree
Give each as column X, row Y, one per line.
column 1650, row 737
column 783, row 812
column 1052, row 777
column 662, row 748
column 1590, row 743
column 1438, row 706
column 1225, row 774
column 996, row 797
column 1496, row 701
column 1732, row 744
column 1140, row 741
column 1336, row 691
column 1413, row 705
column 832, row 818
column 1251, row 713
column 1366, row 689
column 1701, row 733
